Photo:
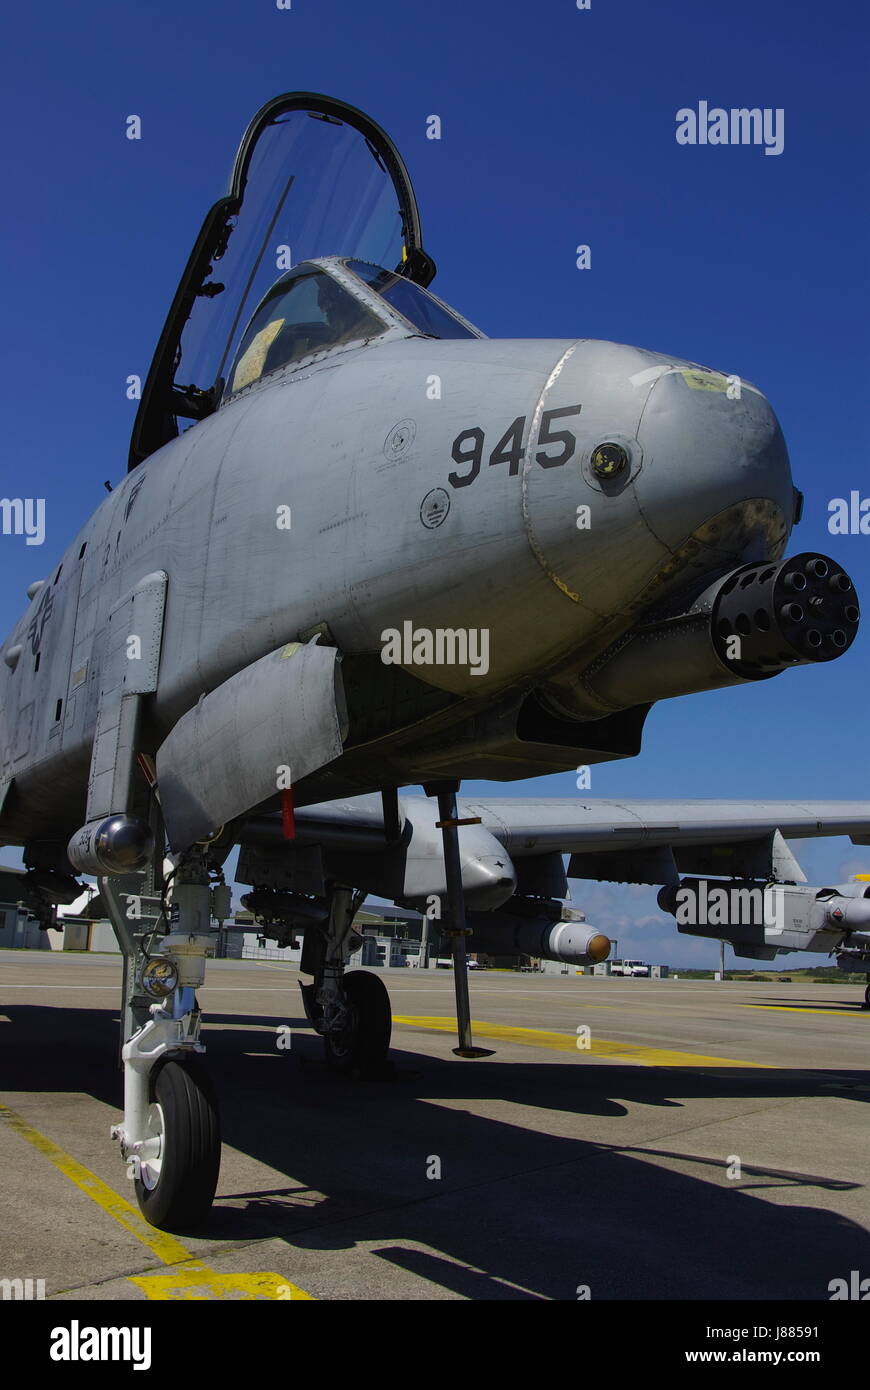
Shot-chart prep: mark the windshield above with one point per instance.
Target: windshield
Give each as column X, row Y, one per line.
column 313, row 177
column 305, row 312
column 314, row 188
column 421, row 309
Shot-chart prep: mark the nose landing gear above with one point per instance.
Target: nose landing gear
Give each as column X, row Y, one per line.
column 170, row 1134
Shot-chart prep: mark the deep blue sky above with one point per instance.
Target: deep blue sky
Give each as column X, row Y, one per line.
column 558, row 128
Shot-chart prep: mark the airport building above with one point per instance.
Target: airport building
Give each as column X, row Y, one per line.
column 19, row 932
column 391, row 940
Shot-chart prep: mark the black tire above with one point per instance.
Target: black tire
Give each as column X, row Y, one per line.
column 364, row 1044
column 867, row 997
column 190, row 1160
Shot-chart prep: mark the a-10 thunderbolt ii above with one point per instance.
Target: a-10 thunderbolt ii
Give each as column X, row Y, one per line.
column 362, row 547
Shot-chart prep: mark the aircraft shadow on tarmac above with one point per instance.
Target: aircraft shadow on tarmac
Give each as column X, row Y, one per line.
column 517, row 1214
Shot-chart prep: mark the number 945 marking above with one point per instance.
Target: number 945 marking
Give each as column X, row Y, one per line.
column 468, row 446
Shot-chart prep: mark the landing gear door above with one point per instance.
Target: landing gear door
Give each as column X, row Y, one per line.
column 312, row 177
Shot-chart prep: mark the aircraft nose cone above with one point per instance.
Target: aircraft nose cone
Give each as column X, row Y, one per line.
column 580, row 508
column 715, row 471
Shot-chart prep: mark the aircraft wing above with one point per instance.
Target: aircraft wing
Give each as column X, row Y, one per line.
column 627, row 837
column 529, row 825
column 511, row 854
column 629, row 841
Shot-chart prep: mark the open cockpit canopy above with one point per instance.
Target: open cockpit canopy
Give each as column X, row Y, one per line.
column 313, row 177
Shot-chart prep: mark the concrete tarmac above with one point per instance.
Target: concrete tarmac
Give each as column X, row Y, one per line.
column 704, row 1140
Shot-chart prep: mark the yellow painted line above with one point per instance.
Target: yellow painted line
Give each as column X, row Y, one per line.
column 566, row 1042
column 196, row 1280
column 164, row 1246
column 801, row 1009
column 210, row 1285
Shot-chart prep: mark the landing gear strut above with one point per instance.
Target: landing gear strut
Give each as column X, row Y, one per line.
column 170, row 1134
column 350, row 1011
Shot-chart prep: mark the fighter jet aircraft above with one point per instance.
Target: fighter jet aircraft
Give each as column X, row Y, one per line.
column 361, row 547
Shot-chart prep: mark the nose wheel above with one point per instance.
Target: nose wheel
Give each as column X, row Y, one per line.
column 180, row 1158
